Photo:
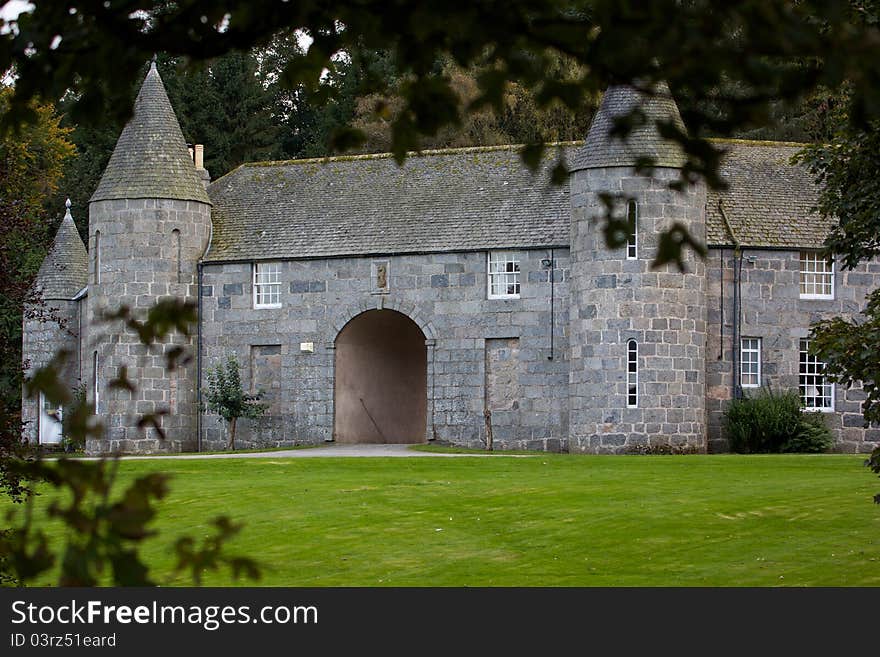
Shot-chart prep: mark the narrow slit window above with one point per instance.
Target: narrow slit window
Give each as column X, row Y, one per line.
column 750, row 363
column 175, row 239
column 97, row 257
column 95, row 378
column 632, row 374
column 632, row 241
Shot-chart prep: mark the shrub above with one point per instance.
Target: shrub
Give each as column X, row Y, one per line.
column 774, row 422
column 814, row 435
column 71, row 439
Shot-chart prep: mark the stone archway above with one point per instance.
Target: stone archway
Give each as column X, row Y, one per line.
column 380, row 393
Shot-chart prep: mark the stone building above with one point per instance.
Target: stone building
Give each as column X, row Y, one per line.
column 457, row 293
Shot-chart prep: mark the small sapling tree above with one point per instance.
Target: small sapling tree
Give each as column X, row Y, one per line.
column 228, row 399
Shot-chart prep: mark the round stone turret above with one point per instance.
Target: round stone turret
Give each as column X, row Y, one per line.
column 54, row 326
column 638, row 335
column 149, row 223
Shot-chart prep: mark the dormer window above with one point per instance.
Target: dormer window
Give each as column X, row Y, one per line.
column 267, row 285
column 503, row 275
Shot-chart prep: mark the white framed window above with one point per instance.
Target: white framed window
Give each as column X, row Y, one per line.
column 817, row 393
column 267, row 285
column 817, row 276
column 632, row 374
column 750, row 363
column 632, row 241
column 503, row 278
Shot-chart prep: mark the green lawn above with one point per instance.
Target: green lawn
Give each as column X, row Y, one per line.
column 550, row 520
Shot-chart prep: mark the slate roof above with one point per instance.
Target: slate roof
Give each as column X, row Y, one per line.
column 472, row 199
column 65, row 270
column 602, row 149
column 454, row 200
column 151, row 159
column 769, row 200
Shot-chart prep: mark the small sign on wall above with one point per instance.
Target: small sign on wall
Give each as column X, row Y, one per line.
column 307, row 347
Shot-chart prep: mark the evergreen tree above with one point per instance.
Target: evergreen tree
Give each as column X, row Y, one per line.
column 227, row 398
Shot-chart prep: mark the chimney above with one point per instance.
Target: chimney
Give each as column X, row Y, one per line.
column 197, row 152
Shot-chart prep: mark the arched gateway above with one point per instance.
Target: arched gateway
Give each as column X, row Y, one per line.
column 381, row 380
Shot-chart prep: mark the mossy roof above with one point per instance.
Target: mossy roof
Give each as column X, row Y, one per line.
column 474, row 199
column 151, row 159
column 769, row 201
column 453, row 200
column 65, row 270
column 603, row 148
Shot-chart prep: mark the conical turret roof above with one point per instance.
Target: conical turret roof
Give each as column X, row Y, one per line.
column 151, row 159
column 65, row 271
column 602, row 149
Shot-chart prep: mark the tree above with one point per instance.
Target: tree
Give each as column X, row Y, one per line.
column 849, row 169
column 521, row 120
column 103, row 533
column 225, row 105
column 227, row 398
column 31, row 163
column 741, row 59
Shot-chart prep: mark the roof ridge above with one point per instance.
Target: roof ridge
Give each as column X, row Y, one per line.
column 757, row 142
column 386, row 155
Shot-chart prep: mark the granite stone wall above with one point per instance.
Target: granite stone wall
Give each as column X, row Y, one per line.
column 773, row 311
column 148, row 250
column 614, row 300
column 445, row 295
column 41, row 341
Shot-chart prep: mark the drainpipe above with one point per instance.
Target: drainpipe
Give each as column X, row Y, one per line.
column 199, row 359
column 737, row 293
column 552, row 305
column 721, row 309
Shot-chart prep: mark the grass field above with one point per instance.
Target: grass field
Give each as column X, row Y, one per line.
column 550, row 520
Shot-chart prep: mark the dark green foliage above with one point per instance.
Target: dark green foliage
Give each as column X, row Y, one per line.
column 873, row 462
column 771, row 422
column 227, row 398
column 103, row 531
column 740, row 64
column 225, row 105
column 73, row 439
column 31, row 162
column 94, row 145
column 814, row 436
column 763, row 423
column 848, row 167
